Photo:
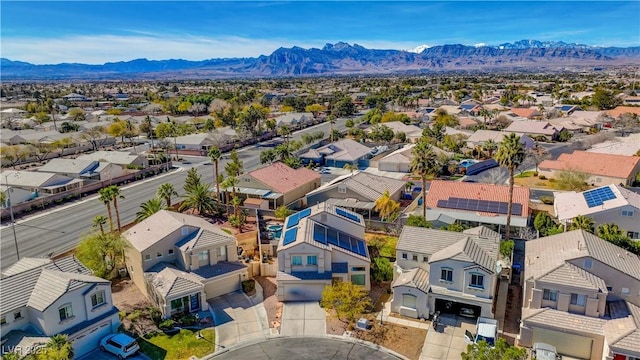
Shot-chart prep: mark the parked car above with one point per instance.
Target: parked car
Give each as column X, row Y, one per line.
column 120, row 345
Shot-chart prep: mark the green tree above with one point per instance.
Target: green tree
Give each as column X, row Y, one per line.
column 489, row 146
column 425, row 165
column 582, row 222
column 101, row 252
column 510, row 155
column 545, row 225
column 166, row 191
column 193, row 180
column 215, row 154
column 58, row 348
column 571, row 181
column 418, row 221
column 381, row 270
column 268, row 156
column 347, row 299
column 386, row 206
column 99, row 222
column 282, row 212
column 149, row 208
column 105, row 196
column 198, row 199
column 344, row 107
column 455, row 227
column 114, row 193
column 350, row 167
column 502, row 351
column 604, row 99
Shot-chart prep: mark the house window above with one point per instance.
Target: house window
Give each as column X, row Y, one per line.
column 404, row 256
column 147, row 257
column 415, row 257
column 17, row 315
column 425, row 258
column 446, row 274
column 578, row 299
column 357, row 268
column 358, row 279
column 625, row 291
column 247, row 180
column 342, row 189
column 203, row 256
column 185, row 231
column 312, row 260
column 550, row 295
column 296, row 260
column 170, row 252
column 588, row 263
column 633, row 234
column 477, row 281
column 97, row 299
column 159, row 254
column 65, row 312
column 222, row 251
column 3, row 320
column 627, row 213
column 409, row 301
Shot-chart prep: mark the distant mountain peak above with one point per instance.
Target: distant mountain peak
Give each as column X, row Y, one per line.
column 418, row 49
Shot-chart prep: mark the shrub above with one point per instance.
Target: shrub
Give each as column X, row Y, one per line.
column 167, row 324
column 248, row 286
column 547, row 200
column 134, row 315
column 506, row 248
column 188, row 320
column 155, row 314
column 542, row 177
column 122, row 314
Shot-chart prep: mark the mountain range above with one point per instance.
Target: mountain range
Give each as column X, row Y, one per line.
column 340, row 59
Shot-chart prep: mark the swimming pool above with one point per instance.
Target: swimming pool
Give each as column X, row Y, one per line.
column 275, row 230
column 467, row 162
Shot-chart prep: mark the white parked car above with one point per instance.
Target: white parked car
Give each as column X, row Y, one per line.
column 120, row 345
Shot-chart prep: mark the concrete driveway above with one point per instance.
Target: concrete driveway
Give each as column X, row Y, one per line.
column 102, row 355
column 447, row 342
column 303, row 319
column 237, row 320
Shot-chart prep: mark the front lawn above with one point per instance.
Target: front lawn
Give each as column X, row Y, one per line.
column 180, row 346
column 389, row 248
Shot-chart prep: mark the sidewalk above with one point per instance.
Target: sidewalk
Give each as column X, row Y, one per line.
column 424, row 325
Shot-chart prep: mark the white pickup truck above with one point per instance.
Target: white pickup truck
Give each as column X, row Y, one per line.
column 486, row 329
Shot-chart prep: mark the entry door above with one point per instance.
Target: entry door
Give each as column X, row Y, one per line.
column 195, row 302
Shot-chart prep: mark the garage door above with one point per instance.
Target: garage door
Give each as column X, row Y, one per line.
column 222, row 286
column 303, row 293
column 452, row 307
column 569, row 345
column 90, row 339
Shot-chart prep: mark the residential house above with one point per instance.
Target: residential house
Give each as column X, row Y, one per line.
column 476, row 204
column 82, row 169
column 480, row 136
column 601, row 169
column 321, row 244
column 294, row 120
column 179, row 261
column 531, row 113
column 75, row 97
column 621, row 110
column 15, row 194
column 400, row 160
column 358, row 191
column 194, row 144
column 567, row 109
column 41, row 298
column 581, row 294
column 338, row 154
column 627, row 145
column 542, row 130
column 122, row 158
column 277, row 183
column 451, row 272
column 39, row 183
column 606, row 204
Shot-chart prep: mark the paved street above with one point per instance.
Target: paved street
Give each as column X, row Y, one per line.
column 237, row 320
column 303, row 319
column 60, row 229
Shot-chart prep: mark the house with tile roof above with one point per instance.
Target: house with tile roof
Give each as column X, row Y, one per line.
column 601, row 169
column 40, row 298
column 82, row 169
column 294, row 119
column 276, row 183
column 530, row 113
column 39, row 183
column 451, row 272
column 338, row 154
column 581, row 294
column 400, row 160
column 621, row 110
column 321, row 244
column 180, row 261
column 480, row 136
column 605, row 204
column 475, row 204
column 534, row 129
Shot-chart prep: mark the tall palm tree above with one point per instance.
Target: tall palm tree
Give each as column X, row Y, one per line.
column 149, row 208
column 215, row 154
column 99, row 222
column 147, row 121
column 582, row 222
column 331, row 119
column 106, row 197
column 510, row 155
column 489, row 146
column 166, row 191
column 285, row 132
column 63, row 349
column 199, row 200
column 386, row 206
column 115, row 191
column 424, row 164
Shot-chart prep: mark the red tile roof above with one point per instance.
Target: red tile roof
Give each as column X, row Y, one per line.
column 618, row 166
column 443, row 190
column 282, row 178
column 614, row 113
column 525, row 112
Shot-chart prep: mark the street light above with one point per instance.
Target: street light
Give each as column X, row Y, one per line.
column 13, row 223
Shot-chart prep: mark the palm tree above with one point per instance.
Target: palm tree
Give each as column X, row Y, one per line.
column 147, row 121
column 582, row 222
column 510, row 155
column 215, row 154
column 425, row 165
column 166, row 191
column 485, row 114
column 149, row 208
column 115, row 191
column 386, row 206
column 350, row 167
column 99, row 222
column 105, row 198
column 489, row 146
column 609, row 231
column 199, row 200
column 285, row 132
column 62, row 348
column 332, row 120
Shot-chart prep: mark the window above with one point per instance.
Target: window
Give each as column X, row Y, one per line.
column 357, row 268
column 203, row 256
column 609, row 288
column 550, row 295
column 446, row 274
column 578, row 299
column 296, row 260
column 342, row 189
column 477, row 281
column 147, row 257
column 415, row 257
column 625, row 291
column 633, row 234
column 17, row 315
column 358, row 279
column 97, row 299
column 627, row 213
column 312, row 260
column 185, row 230
column 247, row 180
column 409, row 301
column 598, row 179
column 3, row 320
column 170, row 252
column 159, row 254
column 588, row 263
column 425, row 258
column 65, row 312
column 404, row 256
column 222, row 251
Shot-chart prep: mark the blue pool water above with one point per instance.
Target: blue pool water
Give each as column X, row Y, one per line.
column 276, row 230
column 468, row 162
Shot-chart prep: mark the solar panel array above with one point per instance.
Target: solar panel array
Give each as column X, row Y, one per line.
column 597, row 197
column 348, row 215
column 328, row 236
column 496, row 207
column 294, row 219
column 290, row 236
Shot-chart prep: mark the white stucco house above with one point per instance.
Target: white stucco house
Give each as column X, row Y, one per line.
column 40, row 298
column 450, row 272
column 321, row 244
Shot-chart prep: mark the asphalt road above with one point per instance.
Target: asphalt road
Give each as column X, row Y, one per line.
column 60, row 229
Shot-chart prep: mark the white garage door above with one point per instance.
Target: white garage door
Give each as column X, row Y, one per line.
column 303, row 293
column 570, row 345
column 222, row 286
column 90, row 339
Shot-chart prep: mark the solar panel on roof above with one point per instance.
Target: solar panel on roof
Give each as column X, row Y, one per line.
column 304, row 213
column 319, row 234
column 347, row 215
column 597, row 197
column 294, row 219
column 290, row 236
column 362, row 248
column 496, row 207
column 332, row 236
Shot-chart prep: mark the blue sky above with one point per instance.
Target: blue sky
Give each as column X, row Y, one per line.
column 98, row 31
